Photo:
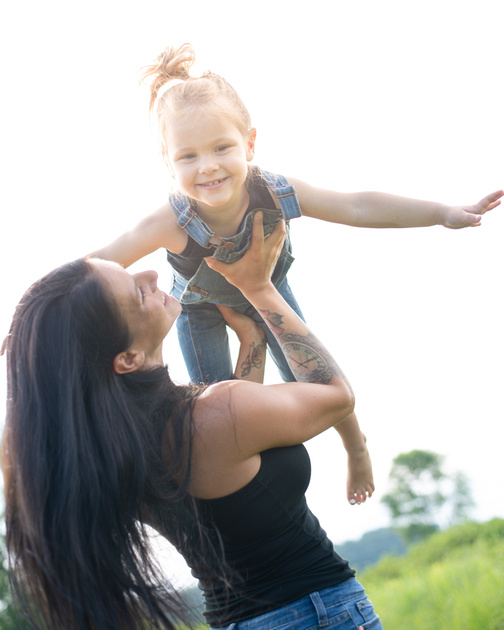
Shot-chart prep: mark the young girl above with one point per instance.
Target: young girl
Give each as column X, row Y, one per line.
column 207, row 143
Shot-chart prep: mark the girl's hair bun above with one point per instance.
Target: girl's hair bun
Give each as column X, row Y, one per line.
column 171, row 65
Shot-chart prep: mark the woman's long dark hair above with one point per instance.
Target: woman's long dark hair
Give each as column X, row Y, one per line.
column 85, row 459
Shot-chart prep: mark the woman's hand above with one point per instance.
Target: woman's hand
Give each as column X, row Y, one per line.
column 252, row 273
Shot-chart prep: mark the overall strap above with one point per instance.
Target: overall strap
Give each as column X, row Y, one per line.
column 285, row 194
column 191, row 222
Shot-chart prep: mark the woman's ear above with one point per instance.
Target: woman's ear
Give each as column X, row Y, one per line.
column 127, row 362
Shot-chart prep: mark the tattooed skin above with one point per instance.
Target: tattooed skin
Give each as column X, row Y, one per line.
column 307, row 357
column 274, row 321
column 254, row 359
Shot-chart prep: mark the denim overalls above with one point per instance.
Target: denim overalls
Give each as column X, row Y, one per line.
column 201, row 328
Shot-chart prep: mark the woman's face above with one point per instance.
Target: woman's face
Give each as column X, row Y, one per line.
column 148, row 312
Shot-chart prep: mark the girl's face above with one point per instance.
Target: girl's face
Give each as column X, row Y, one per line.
column 149, row 313
column 208, row 157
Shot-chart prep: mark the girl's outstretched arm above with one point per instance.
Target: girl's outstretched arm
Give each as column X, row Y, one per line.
column 382, row 210
column 157, row 230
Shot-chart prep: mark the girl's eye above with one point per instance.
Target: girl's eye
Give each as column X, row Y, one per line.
column 223, row 147
column 188, row 156
column 142, row 292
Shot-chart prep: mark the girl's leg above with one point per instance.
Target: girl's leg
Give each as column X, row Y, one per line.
column 360, row 484
column 274, row 349
column 204, row 342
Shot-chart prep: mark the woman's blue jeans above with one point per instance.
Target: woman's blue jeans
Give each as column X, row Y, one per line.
column 345, row 607
column 203, row 338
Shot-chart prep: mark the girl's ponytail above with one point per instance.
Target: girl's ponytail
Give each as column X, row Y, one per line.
column 175, row 93
column 172, row 64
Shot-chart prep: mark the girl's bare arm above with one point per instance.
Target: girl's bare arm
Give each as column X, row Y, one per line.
column 158, row 230
column 382, row 210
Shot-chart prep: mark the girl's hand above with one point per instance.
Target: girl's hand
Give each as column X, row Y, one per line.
column 252, row 272
column 470, row 216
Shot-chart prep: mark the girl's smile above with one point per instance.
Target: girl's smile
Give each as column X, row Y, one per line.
column 213, row 184
column 208, row 156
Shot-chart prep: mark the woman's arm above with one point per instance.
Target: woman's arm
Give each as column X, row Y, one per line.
column 382, row 210
column 158, row 230
column 289, row 413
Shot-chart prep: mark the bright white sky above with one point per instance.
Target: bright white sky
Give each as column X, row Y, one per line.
column 395, row 96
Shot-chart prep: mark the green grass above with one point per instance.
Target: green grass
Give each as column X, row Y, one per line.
column 454, row 580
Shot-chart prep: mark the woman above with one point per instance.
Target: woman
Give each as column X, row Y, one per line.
column 99, row 442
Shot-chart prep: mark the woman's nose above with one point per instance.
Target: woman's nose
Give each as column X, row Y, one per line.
column 148, row 277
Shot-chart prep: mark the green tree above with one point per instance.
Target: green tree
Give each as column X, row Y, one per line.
column 10, row 618
column 462, row 501
column 422, row 496
column 371, row 547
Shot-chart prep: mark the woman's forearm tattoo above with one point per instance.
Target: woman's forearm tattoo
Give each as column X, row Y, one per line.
column 308, row 359
column 254, row 359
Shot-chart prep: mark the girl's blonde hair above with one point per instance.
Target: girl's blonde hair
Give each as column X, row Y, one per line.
column 209, row 91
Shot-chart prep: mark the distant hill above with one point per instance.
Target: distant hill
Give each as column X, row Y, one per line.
column 371, row 547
